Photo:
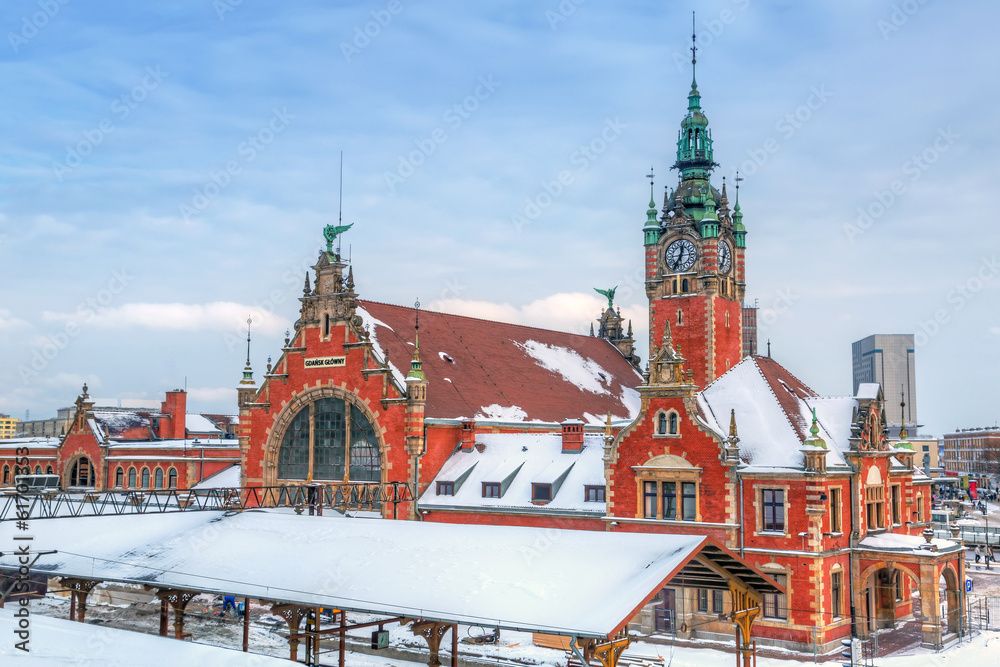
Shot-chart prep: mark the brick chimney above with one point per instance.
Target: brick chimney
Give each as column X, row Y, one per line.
column 572, row 436
column 175, row 408
column 468, row 434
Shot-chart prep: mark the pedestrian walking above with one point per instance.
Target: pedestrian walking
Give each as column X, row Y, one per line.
column 979, row 554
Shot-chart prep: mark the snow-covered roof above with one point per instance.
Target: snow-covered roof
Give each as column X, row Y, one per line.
column 57, row 642
column 200, row 425
column 115, row 423
column 774, row 413
column 228, row 478
column 901, row 542
column 583, row 583
column 536, row 458
column 31, row 442
column 478, row 369
column 190, row 443
column 868, row 390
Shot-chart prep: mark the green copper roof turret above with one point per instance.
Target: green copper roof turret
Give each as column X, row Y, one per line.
column 651, row 230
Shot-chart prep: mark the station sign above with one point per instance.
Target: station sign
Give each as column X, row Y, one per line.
column 325, row 362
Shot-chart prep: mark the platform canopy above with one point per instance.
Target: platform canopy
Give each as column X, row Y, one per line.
column 566, row 582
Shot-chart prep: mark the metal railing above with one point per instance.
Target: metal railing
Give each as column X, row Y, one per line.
column 338, row 496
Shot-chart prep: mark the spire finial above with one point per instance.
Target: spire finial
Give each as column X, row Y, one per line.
column 694, row 53
column 739, row 179
column 416, row 367
column 814, row 429
column 247, row 371
column 902, row 414
column 732, row 424
column 768, row 348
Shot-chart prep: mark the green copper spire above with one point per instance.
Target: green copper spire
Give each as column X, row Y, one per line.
column 739, row 231
column 416, row 367
column 694, row 146
column 247, row 371
column 651, row 230
column 709, row 220
column 814, row 440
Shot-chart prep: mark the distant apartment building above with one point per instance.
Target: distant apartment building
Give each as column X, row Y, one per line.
column 974, row 452
column 888, row 359
column 8, row 427
column 749, row 321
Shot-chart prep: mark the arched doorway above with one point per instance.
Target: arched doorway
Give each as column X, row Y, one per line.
column 81, row 473
column 950, row 605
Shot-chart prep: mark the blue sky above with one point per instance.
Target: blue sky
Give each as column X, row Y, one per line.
column 166, row 170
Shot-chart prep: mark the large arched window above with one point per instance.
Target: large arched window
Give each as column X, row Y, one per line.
column 145, row 478
column 131, row 478
column 344, row 444
column 158, row 478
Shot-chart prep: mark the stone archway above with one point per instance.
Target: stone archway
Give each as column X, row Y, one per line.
column 80, row 472
column 951, row 606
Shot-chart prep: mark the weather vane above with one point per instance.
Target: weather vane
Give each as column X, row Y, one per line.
column 650, row 175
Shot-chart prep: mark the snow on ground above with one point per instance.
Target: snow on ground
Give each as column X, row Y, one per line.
column 90, row 642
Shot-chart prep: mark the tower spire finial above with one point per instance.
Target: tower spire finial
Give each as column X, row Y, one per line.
column 694, row 53
column 416, row 366
column 247, row 371
column 902, row 414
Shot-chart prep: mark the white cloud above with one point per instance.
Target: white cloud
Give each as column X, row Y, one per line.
column 8, row 321
column 213, row 395
column 214, row 316
column 995, row 330
column 573, row 311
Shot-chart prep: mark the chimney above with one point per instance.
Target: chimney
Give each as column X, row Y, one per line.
column 572, row 436
column 175, row 407
column 468, row 434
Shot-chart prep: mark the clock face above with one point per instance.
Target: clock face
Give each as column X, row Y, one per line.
column 725, row 257
column 680, row 255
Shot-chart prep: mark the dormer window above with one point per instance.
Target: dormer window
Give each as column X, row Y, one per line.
column 491, row 489
column 593, row 493
column 541, row 493
column 446, row 488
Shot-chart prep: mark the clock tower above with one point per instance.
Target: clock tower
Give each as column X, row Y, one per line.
column 695, row 257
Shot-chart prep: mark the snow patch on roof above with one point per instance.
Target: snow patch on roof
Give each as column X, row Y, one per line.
column 584, row 373
column 200, row 424
column 497, row 412
column 868, row 390
column 372, row 322
column 117, row 422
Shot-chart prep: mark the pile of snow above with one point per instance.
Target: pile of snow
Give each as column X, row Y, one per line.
column 497, row 412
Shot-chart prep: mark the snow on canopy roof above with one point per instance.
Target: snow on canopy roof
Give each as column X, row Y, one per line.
column 774, row 413
column 200, row 424
column 227, row 478
column 583, row 583
column 505, row 371
column 57, row 642
column 537, row 457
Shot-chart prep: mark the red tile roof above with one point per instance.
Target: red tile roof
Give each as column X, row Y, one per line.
column 789, row 390
column 471, row 364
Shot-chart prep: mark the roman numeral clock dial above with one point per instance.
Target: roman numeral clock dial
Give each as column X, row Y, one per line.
column 680, row 255
column 725, row 257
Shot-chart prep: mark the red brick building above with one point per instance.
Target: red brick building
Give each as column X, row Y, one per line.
column 497, row 423
column 109, row 448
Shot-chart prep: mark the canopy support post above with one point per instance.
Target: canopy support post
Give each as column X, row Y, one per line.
column 246, row 625
column 79, row 589
column 746, row 609
column 432, row 632
column 608, row 652
column 292, row 615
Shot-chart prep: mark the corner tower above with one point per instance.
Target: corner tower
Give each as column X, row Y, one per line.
column 695, row 256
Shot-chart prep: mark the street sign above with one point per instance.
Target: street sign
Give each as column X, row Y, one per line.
column 968, row 585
